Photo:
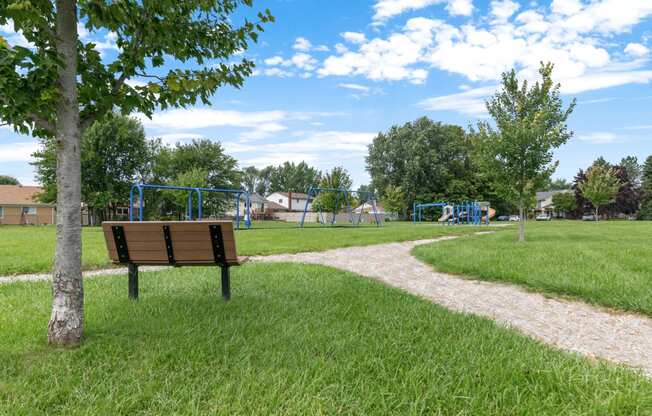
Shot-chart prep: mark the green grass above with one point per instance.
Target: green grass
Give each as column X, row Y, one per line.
column 608, row 263
column 30, row 249
column 294, row 340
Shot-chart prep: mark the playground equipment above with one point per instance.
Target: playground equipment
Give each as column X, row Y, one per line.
column 237, row 194
column 342, row 199
column 476, row 213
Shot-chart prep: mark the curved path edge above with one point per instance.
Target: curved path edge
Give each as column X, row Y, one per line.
column 571, row 325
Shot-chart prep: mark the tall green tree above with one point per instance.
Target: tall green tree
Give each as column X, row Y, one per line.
column 600, row 187
column 250, row 178
column 564, row 202
column 62, row 84
column 428, row 160
column 334, row 202
column 646, row 189
column 114, row 155
column 291, row 177
column 200, row 157
column 530, row 124
column 8, row 180
column 633, row 169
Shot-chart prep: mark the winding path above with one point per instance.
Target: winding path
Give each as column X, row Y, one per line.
column 592, row 331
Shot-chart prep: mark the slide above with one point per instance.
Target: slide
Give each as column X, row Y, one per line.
column 444, row 217
column 492, row 212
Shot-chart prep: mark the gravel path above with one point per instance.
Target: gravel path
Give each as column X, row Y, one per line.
column 592, row 331
column 37, row 277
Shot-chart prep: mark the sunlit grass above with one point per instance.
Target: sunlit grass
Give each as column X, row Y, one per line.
column 609, row 263
column 294, row 340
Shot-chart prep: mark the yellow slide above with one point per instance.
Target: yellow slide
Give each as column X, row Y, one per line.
column 492, row 212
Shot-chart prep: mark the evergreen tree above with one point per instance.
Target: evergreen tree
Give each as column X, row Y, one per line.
column 646, row 189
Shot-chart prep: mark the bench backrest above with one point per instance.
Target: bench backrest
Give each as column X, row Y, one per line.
column 180, row 243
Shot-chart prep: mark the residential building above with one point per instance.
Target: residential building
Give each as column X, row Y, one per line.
column 544, row 202
column 19, row 205
column 292, row 201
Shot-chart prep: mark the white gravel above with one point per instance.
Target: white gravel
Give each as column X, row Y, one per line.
column 100, row 272
column 595, row 332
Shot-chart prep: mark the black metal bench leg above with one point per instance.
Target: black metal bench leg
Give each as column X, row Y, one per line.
column 133, row 281
column 226, row 283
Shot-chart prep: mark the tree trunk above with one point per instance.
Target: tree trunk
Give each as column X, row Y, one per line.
column 597, row 218
column 521, row 222
column 67, row 319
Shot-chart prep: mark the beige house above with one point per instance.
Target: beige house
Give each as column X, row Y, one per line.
column 18, row 205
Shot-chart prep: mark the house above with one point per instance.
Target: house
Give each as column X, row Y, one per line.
column 544, row 201
column 292, row 201
column 368, row 208
column 19, row 205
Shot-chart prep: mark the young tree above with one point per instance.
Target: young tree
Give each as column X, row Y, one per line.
column 564, row 202
column 530, row 124
column 600, row 187
column 646, row 188
column 394, row 200
column 61, row 84
column 8, row 180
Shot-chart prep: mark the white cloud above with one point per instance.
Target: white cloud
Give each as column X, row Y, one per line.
column 470, row 102
column 460, row 7
column 354, row 87
column 197, row 118
column 599, row 137
column 386, row 9
column 304, row 61
column 636, row 49
column 302, row 44
column 503, row 9
column 354, row 37
column 566, row 7
column 17, row 152
column 276, row 60
column 321, row 48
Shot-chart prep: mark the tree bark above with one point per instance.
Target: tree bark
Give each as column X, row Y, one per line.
column 521, row 223
column 67, row 319
column 597, row 218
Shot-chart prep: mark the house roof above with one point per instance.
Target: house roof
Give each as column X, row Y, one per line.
column 368, row 207
column 271, row 205
column 547, row 194
column 297, row 195
column 19, row 195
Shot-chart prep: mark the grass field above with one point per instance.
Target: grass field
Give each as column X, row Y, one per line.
column 294, row 340
column 30, row 249
column 607, row 263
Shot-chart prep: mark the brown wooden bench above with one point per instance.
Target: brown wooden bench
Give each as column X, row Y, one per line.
column 175, row 243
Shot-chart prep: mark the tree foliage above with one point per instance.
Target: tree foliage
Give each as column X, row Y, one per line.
column 646, row 190
column 600, row 187
column 394, row 200
column 334, row 202
column 114, row 155
column 429, row 161
column 288, row 177
column 8, row 180
column 564, row 202
column 530, row 124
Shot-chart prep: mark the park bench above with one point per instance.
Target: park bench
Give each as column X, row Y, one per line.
column 174, row 243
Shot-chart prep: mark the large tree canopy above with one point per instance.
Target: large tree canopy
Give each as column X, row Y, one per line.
column 428, row 161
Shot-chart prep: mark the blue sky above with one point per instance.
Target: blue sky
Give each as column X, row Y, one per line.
column 330, row 75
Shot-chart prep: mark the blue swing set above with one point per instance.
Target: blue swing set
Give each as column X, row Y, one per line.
column 238, row 196
column 470, row 212
column 343, row 198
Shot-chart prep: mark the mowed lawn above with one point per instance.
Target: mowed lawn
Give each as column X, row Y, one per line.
column 607, row 263
column 30, row 249
column 294, row 340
